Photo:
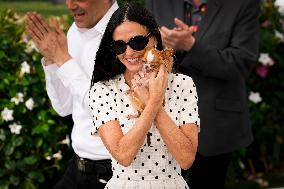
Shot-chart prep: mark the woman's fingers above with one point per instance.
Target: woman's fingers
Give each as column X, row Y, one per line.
column 161, row 71
column 163, row 77
column 152, row 85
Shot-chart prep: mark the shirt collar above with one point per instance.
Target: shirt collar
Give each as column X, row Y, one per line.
column 191, row 2
column 100, row 27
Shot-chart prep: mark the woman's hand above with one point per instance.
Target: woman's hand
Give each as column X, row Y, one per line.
column 157, row 86
column 140, row 87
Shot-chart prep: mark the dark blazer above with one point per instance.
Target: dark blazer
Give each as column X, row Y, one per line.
column 225, row 52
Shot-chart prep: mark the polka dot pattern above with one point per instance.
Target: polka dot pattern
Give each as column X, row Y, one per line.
column 152, row 162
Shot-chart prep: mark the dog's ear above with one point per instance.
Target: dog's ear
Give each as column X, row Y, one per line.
column 168, row 53
column 155, row 58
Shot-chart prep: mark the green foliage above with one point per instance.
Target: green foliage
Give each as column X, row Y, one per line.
column 44, row 7
column 266, row 107
column 267, row 115
column 38, row 130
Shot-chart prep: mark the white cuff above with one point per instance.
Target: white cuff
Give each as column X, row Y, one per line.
column 69, row 72
column 49, row 70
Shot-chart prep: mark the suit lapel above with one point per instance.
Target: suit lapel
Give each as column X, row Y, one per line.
column 212, row 8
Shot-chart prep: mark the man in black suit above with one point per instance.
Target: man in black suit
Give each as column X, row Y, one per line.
column 219, row 40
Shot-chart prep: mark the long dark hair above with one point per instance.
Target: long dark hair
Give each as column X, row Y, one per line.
column 107, row 65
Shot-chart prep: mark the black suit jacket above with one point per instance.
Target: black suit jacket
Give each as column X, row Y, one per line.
column 224, row 54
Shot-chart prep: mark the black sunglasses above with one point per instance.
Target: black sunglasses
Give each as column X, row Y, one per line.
column 137, row 43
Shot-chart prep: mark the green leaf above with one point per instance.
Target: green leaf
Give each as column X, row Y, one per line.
column 18, row 154
column 51, row 122
column 4, row 184
column 36, row 176
column 28, row 184
column 39, row 142
column 2, row 173
column 41, row 129
column 6, row 81
column 2, row 55
column 10, row 165
column 2, row 135
column 15, row 180
column 9, row 149
column 30, row 160
column 17, row 141
column 21, row 165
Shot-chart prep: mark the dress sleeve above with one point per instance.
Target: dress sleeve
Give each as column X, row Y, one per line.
column 189, row 108
column 102, row 105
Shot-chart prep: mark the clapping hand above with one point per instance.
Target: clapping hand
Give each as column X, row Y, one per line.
column 51, row 41
column 178, row 38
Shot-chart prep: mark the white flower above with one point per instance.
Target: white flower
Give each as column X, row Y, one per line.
column 279, row 35
column 15, row 128
column 25, row 68
column 57, row 155
column 255, row 97
column 30, row 103
column 7, row 115
column 65, row 141
column 263, row 183
column 18, row 98
column 31, row 46
column 102, row 181
column 265, row 59
column 280, row 5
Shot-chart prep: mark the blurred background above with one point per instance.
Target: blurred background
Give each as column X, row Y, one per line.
column 35, row 142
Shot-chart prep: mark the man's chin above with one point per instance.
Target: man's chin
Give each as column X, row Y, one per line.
column 79, row 24
column 82, row 25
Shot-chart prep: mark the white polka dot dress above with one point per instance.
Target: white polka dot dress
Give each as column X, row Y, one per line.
column 153, row 167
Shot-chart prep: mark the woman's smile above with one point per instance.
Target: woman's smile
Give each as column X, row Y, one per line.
column 133, row 61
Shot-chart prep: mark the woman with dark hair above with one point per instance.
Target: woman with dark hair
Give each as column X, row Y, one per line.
column 170, row 117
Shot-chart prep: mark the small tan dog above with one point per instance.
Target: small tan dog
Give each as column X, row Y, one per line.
column 152, row 59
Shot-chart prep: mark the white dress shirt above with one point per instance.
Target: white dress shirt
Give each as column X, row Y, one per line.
column 68, row 86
